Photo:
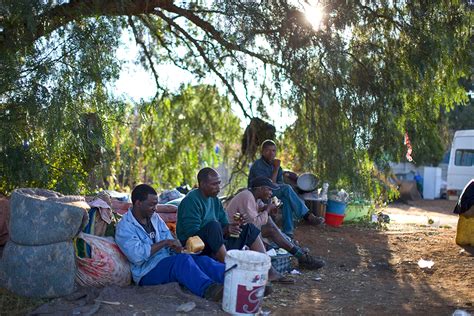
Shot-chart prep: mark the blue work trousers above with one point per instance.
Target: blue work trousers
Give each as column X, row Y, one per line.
column 195, row 273
column 292, row 206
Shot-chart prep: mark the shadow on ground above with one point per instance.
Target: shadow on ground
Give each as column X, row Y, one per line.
column 373, row 272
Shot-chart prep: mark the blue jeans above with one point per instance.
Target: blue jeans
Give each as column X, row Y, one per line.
column 293, row 206
column 195, row 273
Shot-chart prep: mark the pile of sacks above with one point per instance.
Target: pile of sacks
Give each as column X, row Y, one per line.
column 38, row 260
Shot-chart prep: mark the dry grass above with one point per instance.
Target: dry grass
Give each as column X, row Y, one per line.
column 11, row 304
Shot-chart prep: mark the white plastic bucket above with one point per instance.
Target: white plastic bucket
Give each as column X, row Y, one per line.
column 244, row 283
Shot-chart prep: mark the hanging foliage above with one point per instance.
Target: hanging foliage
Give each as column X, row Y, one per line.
column 357, row 80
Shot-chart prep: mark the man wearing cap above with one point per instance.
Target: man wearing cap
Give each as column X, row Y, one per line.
column 269, row 167
column 245, row 203
column 201, row 214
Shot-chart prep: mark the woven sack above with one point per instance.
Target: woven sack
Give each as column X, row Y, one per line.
column 107, row 265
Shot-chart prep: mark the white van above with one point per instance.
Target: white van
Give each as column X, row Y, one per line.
column 461, row 163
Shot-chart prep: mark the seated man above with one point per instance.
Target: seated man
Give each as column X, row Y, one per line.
column 245, row 202
column 201, row 214
column 155, row 256
column 269, row 167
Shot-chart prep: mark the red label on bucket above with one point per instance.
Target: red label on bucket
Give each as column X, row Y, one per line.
column 248, row 301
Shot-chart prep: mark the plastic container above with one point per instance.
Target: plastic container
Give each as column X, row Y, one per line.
column 244, row 285
column 336, row 207
column 465, row 231
column 356, row 212
column 334, row 220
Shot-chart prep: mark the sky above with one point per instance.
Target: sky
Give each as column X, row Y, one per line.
column 136, row 84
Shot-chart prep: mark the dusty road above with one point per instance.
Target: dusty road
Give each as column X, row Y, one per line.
column 374, row 272
column 369, row 272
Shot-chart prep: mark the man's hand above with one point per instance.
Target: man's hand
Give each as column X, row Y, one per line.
column 232, row 229
column 276, row 163
column 272, row 209
column 244, row 219
column 166, row 243
column 175, row 245
column 276, row 168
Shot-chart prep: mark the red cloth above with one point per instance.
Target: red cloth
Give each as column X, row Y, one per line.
column 172, row 227
column 409, row 149
column 4, row 219
column 120, row 207
column 168, row 217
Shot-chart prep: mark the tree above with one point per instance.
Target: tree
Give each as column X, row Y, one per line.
column 461, row 116
column 169, row 141
column 373, row 70
column 397, row 73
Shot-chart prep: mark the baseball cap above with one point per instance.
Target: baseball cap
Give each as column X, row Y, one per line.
column 263, row 182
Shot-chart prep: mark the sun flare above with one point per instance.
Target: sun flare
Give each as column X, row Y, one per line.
column 314, row 13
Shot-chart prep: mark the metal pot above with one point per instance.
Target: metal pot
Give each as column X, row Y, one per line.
column 307, row 182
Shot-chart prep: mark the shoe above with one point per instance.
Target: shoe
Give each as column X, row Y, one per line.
column 309, row 262
column 214, row 292
column 314, row 220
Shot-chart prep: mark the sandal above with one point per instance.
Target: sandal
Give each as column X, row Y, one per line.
column 315, row 220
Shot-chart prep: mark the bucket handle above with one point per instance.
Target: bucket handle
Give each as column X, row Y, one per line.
column 231, row 268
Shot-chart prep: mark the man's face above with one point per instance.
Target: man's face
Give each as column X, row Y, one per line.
column 147, row 207
column 211, row 187
column 269, row 153
column 264, row 193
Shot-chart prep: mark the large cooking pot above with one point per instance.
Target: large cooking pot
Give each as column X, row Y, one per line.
column 307, row 182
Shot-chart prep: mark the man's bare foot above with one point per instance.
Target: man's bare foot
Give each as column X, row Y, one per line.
column 276, row 277
column 273, row 274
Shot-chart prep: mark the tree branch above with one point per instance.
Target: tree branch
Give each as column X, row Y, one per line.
column 146, row 52
column 376, row 14
column 215, row 34
column 64, row 13
column 205, row 58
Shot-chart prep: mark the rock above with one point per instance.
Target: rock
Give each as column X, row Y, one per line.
column 186, row 307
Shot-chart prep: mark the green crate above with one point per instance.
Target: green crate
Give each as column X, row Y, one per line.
column 357, row 212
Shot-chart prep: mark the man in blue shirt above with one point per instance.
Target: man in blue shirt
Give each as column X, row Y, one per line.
column 155, row 256
column 268, row 166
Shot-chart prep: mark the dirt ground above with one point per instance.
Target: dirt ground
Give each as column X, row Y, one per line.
column 376, row 272
column 369, row 271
